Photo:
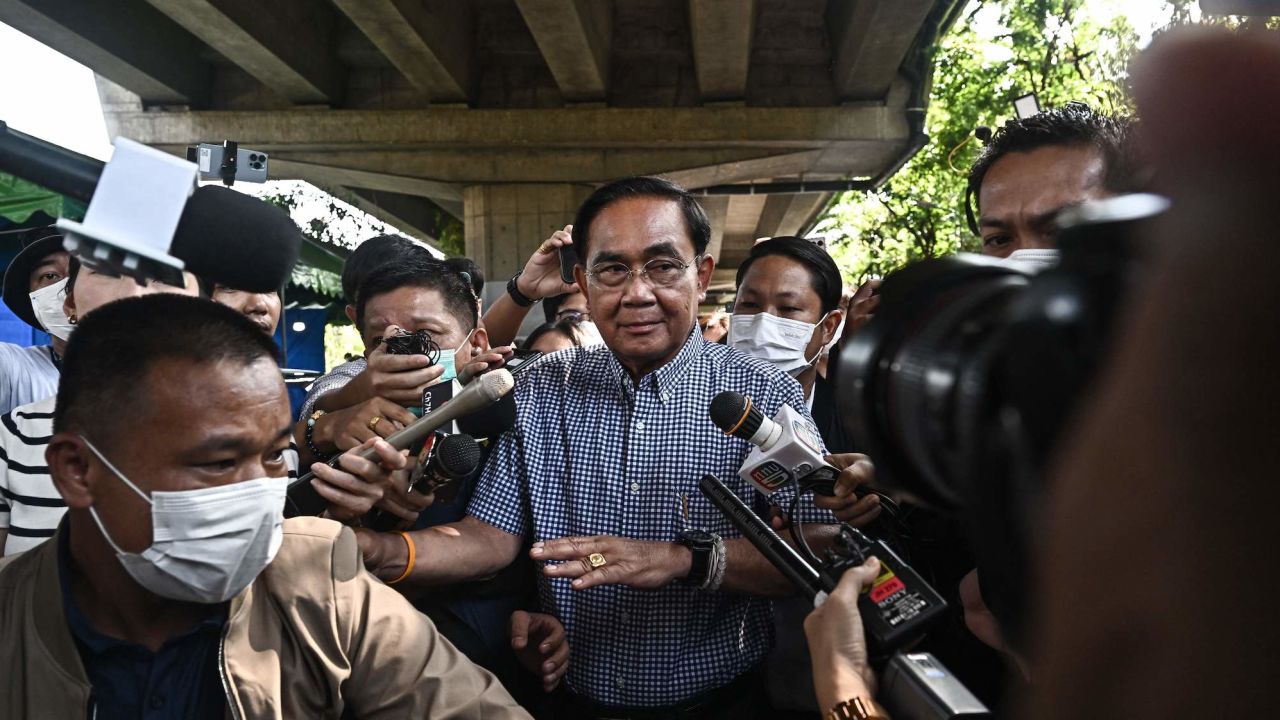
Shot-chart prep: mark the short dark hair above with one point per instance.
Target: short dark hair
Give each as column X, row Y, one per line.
column 472, row 270
column 114, row 347
column 372, row 254
column 204, row 287
column 423, row 272
column 824, row 276
column 564, row 327
column 695, row 219
column 1072, row 124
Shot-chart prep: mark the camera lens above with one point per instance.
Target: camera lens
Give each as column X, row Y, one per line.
column 908, row 381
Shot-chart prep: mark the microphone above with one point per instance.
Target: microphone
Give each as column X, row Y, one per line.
column 787, row 448
column 454, row 458
column 899, row 604
column 140, row 225
column 302, row 498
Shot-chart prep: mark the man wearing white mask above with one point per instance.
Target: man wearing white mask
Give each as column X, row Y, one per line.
column 34, row 288
column 174, row 587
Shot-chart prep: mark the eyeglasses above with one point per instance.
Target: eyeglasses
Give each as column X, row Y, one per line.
column 660, row 272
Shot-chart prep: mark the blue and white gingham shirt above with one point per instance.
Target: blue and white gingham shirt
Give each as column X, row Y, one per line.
column 594, row 454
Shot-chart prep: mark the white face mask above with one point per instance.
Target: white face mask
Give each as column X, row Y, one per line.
column 47, row 304
column 774, row 339
column 208, row 544
column 588, row 334
column 1036, row 258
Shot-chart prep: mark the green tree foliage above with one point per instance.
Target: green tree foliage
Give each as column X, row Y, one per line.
column 997, row 51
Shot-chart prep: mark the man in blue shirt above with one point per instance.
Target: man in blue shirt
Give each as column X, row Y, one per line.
column 601, row 471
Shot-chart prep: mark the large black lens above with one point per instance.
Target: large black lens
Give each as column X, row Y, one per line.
column 905, row 380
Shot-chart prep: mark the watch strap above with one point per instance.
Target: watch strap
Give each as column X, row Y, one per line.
column 701, row 545
column 513, row 289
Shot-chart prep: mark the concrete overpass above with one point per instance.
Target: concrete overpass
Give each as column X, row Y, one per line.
column 504, row 113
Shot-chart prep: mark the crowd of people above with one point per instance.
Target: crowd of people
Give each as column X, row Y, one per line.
column 146, row 454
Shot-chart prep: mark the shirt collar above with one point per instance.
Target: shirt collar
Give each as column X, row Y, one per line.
column 666, row 378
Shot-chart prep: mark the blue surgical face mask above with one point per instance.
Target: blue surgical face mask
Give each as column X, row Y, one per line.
column 447, row 359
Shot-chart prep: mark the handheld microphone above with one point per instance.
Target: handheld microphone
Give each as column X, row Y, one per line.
column 454, row 458
column 302, row 498
column 787, row 448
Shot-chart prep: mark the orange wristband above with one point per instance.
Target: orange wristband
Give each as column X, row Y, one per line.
column 408, row 566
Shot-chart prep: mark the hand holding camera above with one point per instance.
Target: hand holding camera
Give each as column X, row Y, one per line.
column 402, row 366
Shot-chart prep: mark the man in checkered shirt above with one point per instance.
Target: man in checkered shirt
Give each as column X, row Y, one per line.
column 608, row 448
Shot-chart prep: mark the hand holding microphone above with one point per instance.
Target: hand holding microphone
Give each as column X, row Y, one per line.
column 303, row 497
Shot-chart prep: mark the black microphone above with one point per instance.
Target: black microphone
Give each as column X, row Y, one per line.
column 223, row 236
column 773, row 548
column 302, row 498
column 454, row 458
column 236, row 240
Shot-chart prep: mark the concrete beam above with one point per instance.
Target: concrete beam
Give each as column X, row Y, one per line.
column 126, row 41
column 724, row 173
column 687, row 127
column 787, row 214
column 801, row 212
column 414, row 216
column 717, row 209
column 284, row 44
column 869, row 39
column 722, row 32
column 573, row 37
column 488, row 165
column 428, row 42
column 448, row 197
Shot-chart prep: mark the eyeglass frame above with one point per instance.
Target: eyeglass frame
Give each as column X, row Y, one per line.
column 644, row 271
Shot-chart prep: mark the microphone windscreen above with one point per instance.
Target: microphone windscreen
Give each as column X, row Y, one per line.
column 237, row 240
column 734, row 414
column 458, row 456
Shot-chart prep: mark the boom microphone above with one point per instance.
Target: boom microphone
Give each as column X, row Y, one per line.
column 302, row 498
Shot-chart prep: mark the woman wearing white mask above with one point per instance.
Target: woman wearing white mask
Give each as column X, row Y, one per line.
column 787, row 311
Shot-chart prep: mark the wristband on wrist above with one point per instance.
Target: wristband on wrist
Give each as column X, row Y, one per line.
column 513, row 289
column 309, row 436
column 408, row 565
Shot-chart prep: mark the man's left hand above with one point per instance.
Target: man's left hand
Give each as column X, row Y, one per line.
column 855, row 470
column 642, row 564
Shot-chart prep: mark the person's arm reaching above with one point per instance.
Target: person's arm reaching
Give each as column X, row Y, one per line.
column 539, row 279
column 469, row 549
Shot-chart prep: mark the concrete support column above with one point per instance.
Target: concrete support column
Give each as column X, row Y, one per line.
column 505, row 223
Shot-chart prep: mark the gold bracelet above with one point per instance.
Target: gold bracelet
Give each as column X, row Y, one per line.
column 857, row 709
column 413, row 556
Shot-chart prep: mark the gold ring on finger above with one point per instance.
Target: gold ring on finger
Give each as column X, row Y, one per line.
column 373, row 422
column 596, row 561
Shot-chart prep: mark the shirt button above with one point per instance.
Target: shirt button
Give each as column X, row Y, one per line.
column 635, row 487
column 640, row 425
column 619, row 682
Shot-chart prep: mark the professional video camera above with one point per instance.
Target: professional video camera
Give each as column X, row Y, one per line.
column 961, row 384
